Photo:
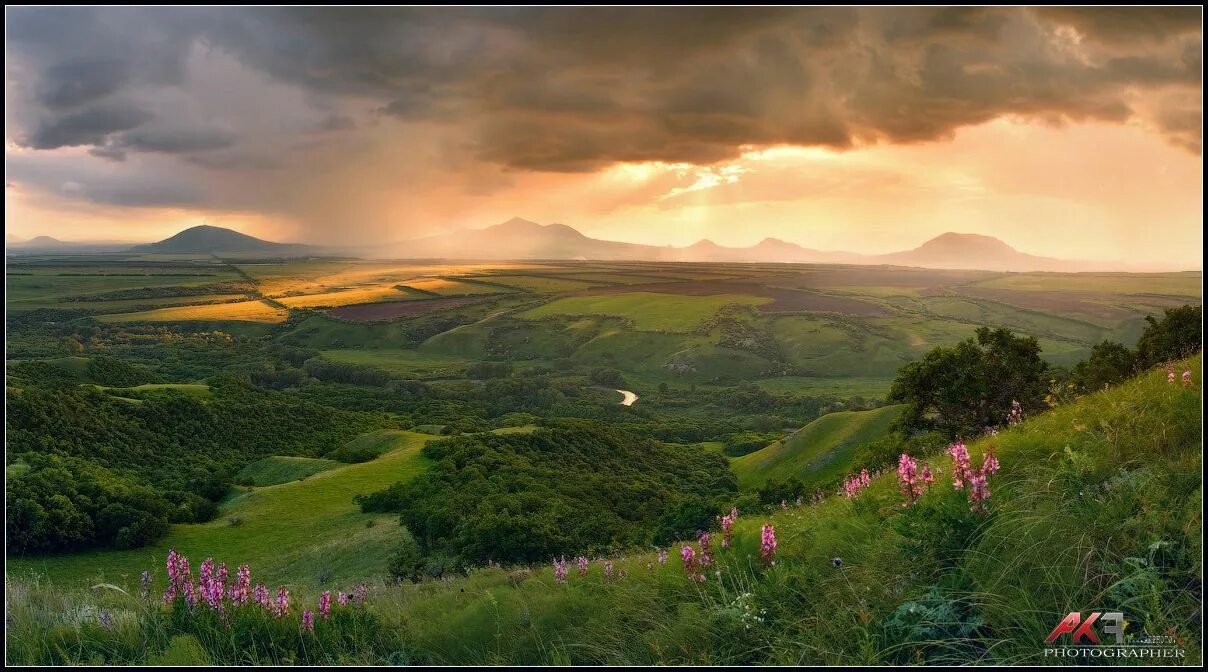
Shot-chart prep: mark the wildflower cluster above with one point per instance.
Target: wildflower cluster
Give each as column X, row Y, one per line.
column 560, row 570
column 744, row 607
column 854, row 485
column 215, row 590
column 978, row 480
column 1187, row 379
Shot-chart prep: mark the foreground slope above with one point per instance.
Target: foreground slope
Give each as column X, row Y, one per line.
column 1097, row 507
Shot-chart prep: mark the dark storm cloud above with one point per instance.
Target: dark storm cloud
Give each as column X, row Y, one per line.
column 574, row 89
column 90, row 126
column 74, row 83
column 1126, row 24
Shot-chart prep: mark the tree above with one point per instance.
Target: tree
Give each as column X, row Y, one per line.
column 1177, row 335
column 964, row 389
column 607, row 377
column 1109, row 364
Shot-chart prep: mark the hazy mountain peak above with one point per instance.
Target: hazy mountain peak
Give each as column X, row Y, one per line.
column 207, row 239
column 518, row 223
column 967, row 240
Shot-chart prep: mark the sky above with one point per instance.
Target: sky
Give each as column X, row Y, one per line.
column 1071, row 133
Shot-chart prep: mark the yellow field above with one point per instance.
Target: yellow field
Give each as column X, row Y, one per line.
column 452, row 287
column 241, row 311
column 347, row 297
column 294, row 278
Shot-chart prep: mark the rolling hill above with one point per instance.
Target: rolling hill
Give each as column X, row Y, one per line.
column 818, row 452
column 207, row 239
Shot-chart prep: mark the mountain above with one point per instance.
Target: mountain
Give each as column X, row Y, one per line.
column 206, row 239
column 973, row 251
column 522, row 239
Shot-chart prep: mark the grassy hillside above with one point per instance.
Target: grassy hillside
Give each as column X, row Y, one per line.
column 820, row 451
column 1096, row 508
column 278, row 469
column 300, row 531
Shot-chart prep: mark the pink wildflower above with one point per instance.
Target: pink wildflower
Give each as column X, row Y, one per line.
column 583, row 563
column 308, row 620
column 961, row 470
column 927, row 477
column 767, row 544
column 706, row 552
column 1170, row 373
column 281, row 608
column 1187, row 379
column 662, row 556
column 727, row 530
column 210, row 584
column 608, row 570
column 989, row 464
column 342, row 598
column 979, row 492
column 325, row 604
column 362, row 591
column 688, row 555
column 260, row 595
column 1016, row 415
column 908, row 478
column 560, row 570
column 243, row 582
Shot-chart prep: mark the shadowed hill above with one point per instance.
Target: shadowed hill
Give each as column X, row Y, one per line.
column 206, row 239
column 818, row 451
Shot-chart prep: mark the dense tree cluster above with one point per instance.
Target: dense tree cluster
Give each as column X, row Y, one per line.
column 571, row 489
column 165, row 459
column 967, row 388
column 971, row 386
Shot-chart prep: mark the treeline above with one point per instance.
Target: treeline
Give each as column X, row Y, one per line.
column 183, row 448
column 973, row 386
column 1177, row 335
column 576, row 488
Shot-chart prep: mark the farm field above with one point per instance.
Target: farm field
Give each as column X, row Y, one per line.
column 647, row 311
column 410, row 363
column 241, row 311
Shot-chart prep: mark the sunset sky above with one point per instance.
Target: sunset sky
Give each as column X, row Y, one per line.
column 1067, row 133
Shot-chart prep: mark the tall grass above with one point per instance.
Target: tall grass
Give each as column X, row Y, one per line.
column 1096, row 508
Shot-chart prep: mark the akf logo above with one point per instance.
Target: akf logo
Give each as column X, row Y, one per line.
column 1083, row 632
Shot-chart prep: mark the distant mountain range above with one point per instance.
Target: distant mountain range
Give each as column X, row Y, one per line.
column 521, row 239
